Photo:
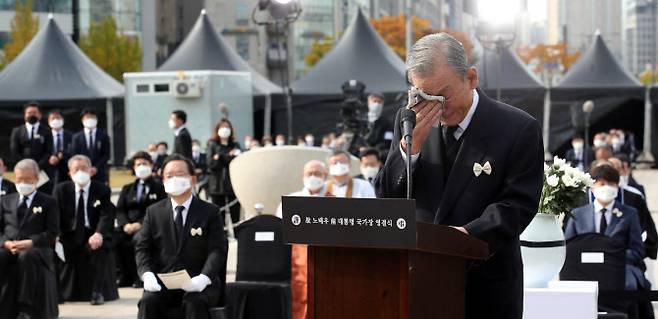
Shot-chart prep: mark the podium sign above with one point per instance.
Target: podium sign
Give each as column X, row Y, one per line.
column 357, row 222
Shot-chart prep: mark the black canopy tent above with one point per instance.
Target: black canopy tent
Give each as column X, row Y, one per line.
column 361, row 54
column 205, row 49
column 53, row 71
column 597, row 76
column 518, row 87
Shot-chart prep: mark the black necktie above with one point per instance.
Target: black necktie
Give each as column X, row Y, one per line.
column 80, row 217
column 179, row 221
column 604, row 222
column 22, row 210
column 34, row 129
column 451, row 145
column 60, row 147
column 91, row 143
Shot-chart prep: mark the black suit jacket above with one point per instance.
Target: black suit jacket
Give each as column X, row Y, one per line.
column 99, row 155
column 200, row 163
column 38, row 148
column 157, row 251
column 40, row 224
column 100, row 209
column 570, row 157
column 495, row 208
column 183, row 143
column 59, row 172
column 633, row 183
column 6, row 187
column 129, row 209
column 646, row 222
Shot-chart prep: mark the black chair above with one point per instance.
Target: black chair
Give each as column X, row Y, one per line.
column 262, row 287
column 610, row 274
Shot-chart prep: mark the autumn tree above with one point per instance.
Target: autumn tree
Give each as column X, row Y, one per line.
column 23, row 28
column 545, row 55
column 646, row 77
column 318, row 50
column 110, row 49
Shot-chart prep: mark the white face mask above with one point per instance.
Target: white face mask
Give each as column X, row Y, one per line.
column 177, row 185
column 90, row 123
column 369, row 171
column 196, row 149
column 577, row 145
column 224, row 132
column 374, row 111
column 143, row 171
column 172, row 124
column 339, row 169
column 81, row 178
column 309, row 141
column 313, row 183
column 599, row 143
column 25, row 189
column 56, row 124
column 605, row 194
column 154, row 155
column 616, row 142
column 280, row 142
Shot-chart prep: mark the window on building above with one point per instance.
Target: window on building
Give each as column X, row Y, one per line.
column 242, row 46
column 242, row 14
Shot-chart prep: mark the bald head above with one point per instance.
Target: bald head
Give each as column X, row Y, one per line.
column 315, row 168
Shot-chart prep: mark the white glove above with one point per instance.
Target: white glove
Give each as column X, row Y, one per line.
column 196, row 284
column 150, row 283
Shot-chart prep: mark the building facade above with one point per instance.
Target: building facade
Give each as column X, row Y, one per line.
column 640, row 33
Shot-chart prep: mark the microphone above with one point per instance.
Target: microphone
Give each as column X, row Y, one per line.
column 408, row 120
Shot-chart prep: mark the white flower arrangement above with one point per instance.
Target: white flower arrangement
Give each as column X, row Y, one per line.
column 37, row 210
column 617, row 212
column 564, row 187
column 96, row 203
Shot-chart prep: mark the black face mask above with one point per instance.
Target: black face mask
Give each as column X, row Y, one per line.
column 32, row 119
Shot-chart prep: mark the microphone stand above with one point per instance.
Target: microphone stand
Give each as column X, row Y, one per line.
column 408, row 141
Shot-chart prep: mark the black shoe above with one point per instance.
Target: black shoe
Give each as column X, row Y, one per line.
column 97, row 299
column 138, row 284
column 23, row 315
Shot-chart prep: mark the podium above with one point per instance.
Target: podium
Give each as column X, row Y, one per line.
column 369, row 258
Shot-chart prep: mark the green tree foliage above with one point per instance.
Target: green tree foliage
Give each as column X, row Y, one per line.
column 23, row 28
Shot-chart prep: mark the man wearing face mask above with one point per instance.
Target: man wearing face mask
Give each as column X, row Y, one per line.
column 30, row 224
column 181, row 232
column 613, row 219
column 57, row 167
column 131, row 208
column 93, row 143
column 626, row 174
column 314, row 177
column 380, row 130
column 580, row 155
column 280, row 140
column 6, row 186
column 600, row 140
column 309, row 140
column 341, row 183
column 370, row 165
column 87, row 221
column 183, row 139
column 31, row 140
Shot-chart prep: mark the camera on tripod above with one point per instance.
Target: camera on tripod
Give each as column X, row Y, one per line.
column 353, row 110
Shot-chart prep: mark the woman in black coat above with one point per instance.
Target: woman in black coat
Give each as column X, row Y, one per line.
column 131, row 208
column 222, row 149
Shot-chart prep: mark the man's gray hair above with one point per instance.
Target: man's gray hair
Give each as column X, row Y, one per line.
column 338, row 153
column 425, row 54
column 78, row 157
column 27, row 164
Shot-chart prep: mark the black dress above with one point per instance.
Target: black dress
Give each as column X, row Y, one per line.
column 219, row 180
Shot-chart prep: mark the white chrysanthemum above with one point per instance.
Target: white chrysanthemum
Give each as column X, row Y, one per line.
column 569, row 181
column 552, row 180
column 559, row 162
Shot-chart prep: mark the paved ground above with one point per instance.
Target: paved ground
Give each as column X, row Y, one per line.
column 126, row 307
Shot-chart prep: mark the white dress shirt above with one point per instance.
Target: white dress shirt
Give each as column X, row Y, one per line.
column 177, row 131
column 85, row 199
column 30, row 198
column 57, row 134
column 360, row 189
column 462, row 126
column 93, row 135
column 597, row 214
column 186, row 205
column 302, row 193
column 29, row 128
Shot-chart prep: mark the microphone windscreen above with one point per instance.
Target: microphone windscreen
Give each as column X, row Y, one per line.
column 408, row 115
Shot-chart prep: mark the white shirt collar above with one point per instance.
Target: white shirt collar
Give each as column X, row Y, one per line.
column 85, row 188
column 88, row 130
column 185, row 204
column 177, row 131
column 463, row 125
column 598, row 207
column 30, row 126
column 30, row 198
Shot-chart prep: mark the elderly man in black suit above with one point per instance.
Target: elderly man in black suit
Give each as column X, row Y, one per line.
column 477, row 166
column 6, row 186
column 31, row 140
column 29, row 224
column 181, row 233
column 86, row 221
column 60, row 152
column 135, row 197
column 183, row 139
column 93, row 143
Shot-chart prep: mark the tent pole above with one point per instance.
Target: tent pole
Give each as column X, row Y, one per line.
column 646, row 159
column 547, row 124
column 267, row 117
column 109, row 114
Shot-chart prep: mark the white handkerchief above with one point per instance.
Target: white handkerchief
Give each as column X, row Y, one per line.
column 175, row 280
column 59, row 250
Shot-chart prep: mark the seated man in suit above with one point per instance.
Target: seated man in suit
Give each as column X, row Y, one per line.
column 181, row 233
column 86, row 221
column 341, row 183
column 370, row 165
column 93, row 143
column 606, row 216
column 580, row 154
column 131, row 208
column 29, row 224
column 6, row 186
